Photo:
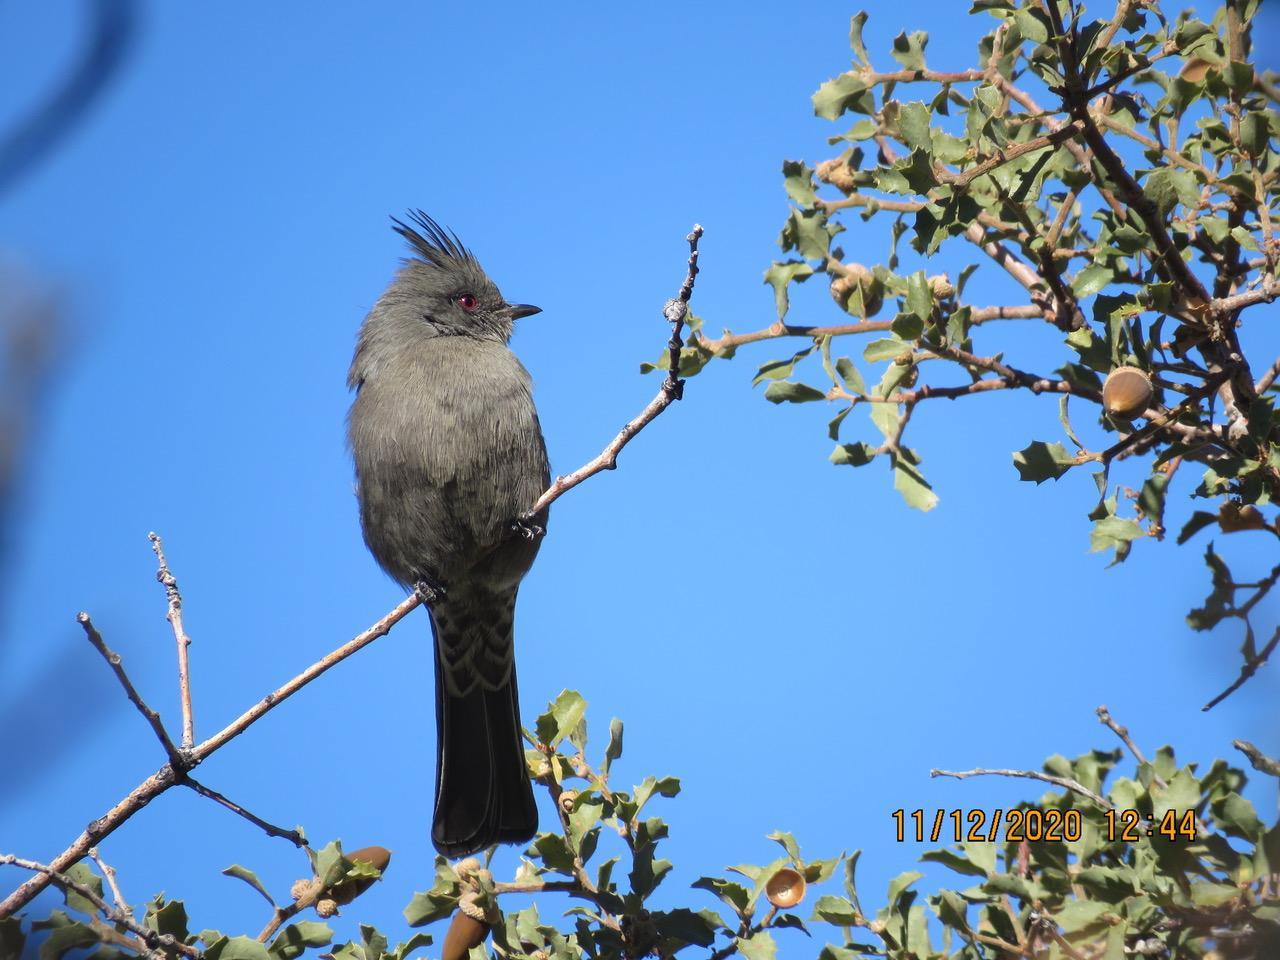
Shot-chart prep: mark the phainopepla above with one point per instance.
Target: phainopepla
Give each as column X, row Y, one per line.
column 449, row 456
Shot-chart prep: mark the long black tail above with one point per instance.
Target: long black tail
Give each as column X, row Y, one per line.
column 483, row 793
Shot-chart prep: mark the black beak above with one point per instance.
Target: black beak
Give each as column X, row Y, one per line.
column 517, row 310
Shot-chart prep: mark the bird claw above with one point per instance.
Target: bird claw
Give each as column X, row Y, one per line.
column 428, row 591
column 525, row 527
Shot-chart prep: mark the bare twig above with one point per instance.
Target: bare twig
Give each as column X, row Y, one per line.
column 672, row 387
column 154, row 940
column 109, row 873
column 174, row 616
column 117, row 666
column 1260, row 761
column 1120, row 731
column 293, row 836
column 167, row 776
column 1075, row 786
column 1251, row 666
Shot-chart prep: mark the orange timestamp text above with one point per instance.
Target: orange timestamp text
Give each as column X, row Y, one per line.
column 1034, row 826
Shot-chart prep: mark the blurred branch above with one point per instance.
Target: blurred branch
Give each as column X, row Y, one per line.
column 110, row 33
column 1260, row 761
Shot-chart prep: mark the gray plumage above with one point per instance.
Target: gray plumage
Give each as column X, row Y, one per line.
column 449, row 455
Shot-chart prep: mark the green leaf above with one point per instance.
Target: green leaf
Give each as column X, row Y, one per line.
column 237, row 948
column 913, row 487
column 403, row 949
column 883, row 349
column 853, row 454
column 293, row 940
column 758, row 946
column 1091, row 279
column 733, row 894
column 614, row 750
column 374, row 944
column 686, row 926
column 12, row 939
column 909, row 50
column 798, row 182
column 919, row 297
column 850, row 376
column 913, row 123
column 1198, row 521
column 780, row 369
column 1217, row 603
column 82, row 874
column 1040, row 461
column 167, row 918
column 784, row 391
column 1238, row 818
column 788, row 843
column 780, row 275
column 856, row 23
column 249, row 877
column 65, row 935
column 845, row 92
column 562, row 716
column 1115, row 532
column 836, row 910
column 809, row 232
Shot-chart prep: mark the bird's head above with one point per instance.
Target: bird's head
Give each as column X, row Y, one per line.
column 446, row 284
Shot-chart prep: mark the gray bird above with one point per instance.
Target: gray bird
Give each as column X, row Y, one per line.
column 449, row 457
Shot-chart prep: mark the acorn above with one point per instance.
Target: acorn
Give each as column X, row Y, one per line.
column 1126, row 392
column 567, row 797
column 853, row 276
column 941, row 287
column 464, row 933
column 347, row 890
column 785, row 888
column 1195, row 69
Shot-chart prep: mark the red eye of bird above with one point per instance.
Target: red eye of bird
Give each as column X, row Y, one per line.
column 467, row 301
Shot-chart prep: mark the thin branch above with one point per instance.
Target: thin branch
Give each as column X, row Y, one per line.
column 1104, row 715
column 1075, row 786
column 672, row 387
column 174, row 616
column 1260, row 761
column 109, row 873
column 1251, row 666
column 130, row 691
column 167, row 776
column 1122, row 732
column 293, row 836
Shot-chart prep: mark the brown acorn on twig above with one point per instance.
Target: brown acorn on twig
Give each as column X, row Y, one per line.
column 345, row 891
column 1126, row 392
column 785, row 888
column 464, row 932
column 855, row 276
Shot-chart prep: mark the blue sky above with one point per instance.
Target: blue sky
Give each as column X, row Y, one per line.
column 786, row 636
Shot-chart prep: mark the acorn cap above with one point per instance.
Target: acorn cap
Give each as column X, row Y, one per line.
column 785, row 888
column 1127, row 392
column 464, row 933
